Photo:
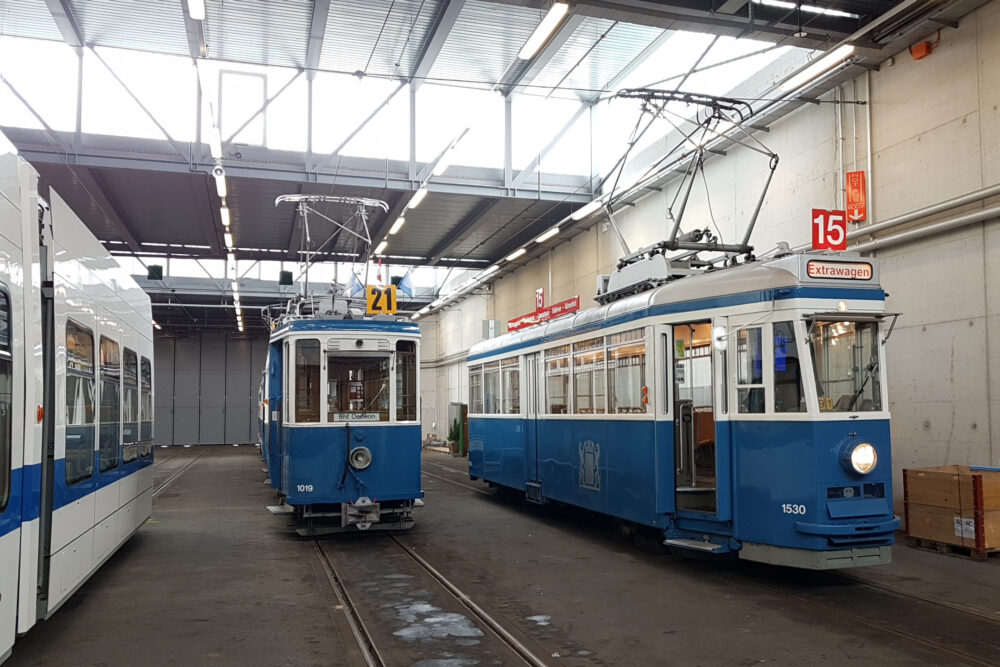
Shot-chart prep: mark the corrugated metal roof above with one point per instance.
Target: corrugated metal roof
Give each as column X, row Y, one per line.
column 376, row 36
column 147, row 25
column 27, row 18
column 257, row 31
column 595, row 53
column 484, row 41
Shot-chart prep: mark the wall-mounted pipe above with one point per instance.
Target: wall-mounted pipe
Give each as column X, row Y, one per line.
column 928, row 230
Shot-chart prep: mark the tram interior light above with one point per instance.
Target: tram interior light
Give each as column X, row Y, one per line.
column 841, row 306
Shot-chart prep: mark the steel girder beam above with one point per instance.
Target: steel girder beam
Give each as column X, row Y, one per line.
column 445, row 20
column 66, row 22
column 373, row 174
column 317, row 32
column 195, row 31
column 524, row 173
column 626, row 71
column 526, row 72
column 457, row 232
column 396, row 209
column 97, row 188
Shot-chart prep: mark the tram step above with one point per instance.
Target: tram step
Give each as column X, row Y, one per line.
column 695, row 489
column 697, row 545
column 280, row 509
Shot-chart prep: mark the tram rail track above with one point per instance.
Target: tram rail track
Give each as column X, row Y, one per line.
column 364, row 637
column 170, row 480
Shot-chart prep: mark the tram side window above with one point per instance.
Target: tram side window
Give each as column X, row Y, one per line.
column 130, row 406
column 406, row 380
column 110, row 416
column 846, row 360
column 589, row 387
column 79, row 403
column 511, row 382
column 491, row 388
column 788, row 395
column 146, row 407
column 750, row 371
column 627, row 373
column 358, row 388
column 476, row 390
column 557, row 370
column 307, row 385
column 6, row 399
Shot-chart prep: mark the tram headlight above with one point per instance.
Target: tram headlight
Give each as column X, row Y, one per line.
column 360, row 457
column 863, row 458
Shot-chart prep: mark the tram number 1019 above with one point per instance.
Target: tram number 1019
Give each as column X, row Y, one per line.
column 788, row 508
column 304, row 488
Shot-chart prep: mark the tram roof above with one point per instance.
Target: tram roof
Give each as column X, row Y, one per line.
column 346, row 325
column 747, row 283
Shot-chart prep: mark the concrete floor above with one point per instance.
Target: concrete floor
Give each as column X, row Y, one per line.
column 214, row 579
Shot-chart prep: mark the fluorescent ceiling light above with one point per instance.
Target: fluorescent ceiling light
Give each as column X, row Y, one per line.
column 492, row 269
column 220, row 184
column 809, row 9
column 819, row 67
column 396, row 226
column 229, row 244
column 555, row 16
column 517, row 253
column 425, row 310
column 381, row 246
column 158, row 327
column 224, row 212
column 547, row 235
column 587, row 209
column 415, row 316
column 196, row 9
column 418, row 197
column 235, row 285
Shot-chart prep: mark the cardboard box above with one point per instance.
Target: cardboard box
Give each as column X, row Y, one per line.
column 956, row 505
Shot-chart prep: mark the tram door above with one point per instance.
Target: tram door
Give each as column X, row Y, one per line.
column 694, row 418
column 531, row 401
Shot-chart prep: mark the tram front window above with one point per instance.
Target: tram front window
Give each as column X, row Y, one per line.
column 358, row 389
column 846, row 359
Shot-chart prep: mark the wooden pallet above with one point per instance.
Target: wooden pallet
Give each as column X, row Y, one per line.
column 950, row 549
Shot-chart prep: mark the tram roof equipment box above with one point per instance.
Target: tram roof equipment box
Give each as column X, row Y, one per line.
column 954, row 505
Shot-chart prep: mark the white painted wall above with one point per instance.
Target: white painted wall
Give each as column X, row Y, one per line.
column 935, row 135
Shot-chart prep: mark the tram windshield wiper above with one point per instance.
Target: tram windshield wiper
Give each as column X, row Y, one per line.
column 869, row 373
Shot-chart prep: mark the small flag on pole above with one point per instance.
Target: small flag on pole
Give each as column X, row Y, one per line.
column 356, row 286
column 405, row 285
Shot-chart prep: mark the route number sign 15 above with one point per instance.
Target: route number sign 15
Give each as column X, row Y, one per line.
column 381, row 300
column 829, row 230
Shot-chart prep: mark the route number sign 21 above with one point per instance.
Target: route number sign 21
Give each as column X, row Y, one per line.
column 381, row 300
column 829, row 230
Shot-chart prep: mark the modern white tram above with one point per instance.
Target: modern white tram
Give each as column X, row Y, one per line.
column 76, row 399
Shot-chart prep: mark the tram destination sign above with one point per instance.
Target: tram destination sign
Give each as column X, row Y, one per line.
column 356, row 417
column 545, row 314
column 839, row 270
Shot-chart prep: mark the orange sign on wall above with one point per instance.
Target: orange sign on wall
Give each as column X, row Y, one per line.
column 857, row 201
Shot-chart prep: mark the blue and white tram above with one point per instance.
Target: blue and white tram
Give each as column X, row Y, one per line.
column 342, row 438
column 76, row 399
column 738, row 410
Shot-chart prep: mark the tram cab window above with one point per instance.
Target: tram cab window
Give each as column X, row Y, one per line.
column 846, row 361
column 627, row 372
column 6, row 399
column 79, row 403
column 557, row 370
column 110, row 413
column 589, row 382
column 511, row 382
column 357, row 388
column 307, row 386
column 750, row 371
column 476, row 390
column 130, row 406
column 491, row 388
column 145, row 407
column 788, row 395
column 406, row 380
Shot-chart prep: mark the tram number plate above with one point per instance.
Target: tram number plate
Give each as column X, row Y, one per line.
column 381, row 300
column 304, row 488
column 789, row 508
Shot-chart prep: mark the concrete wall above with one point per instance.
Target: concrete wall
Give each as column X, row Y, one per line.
column 935, row 128
column 205, row 389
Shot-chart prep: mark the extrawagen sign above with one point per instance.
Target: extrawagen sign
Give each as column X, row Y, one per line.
column 839, row 270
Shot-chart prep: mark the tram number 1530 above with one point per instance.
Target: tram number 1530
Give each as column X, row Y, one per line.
column 788, row 508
